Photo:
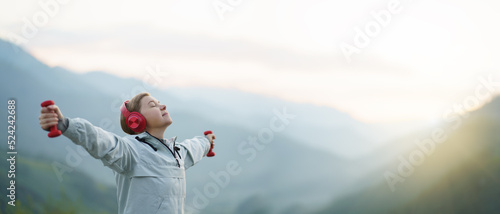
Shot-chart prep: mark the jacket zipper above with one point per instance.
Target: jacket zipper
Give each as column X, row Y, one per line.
column 172, row 152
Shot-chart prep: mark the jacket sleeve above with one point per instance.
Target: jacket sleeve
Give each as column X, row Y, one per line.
column 114, row 151
column 195, row 149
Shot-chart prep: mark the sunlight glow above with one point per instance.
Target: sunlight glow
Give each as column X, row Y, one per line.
column 419, row 63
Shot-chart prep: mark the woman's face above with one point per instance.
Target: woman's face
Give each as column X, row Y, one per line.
column 155, row 113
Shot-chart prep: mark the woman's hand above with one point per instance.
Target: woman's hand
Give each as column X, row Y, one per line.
column 211, row 138
column 49, row 116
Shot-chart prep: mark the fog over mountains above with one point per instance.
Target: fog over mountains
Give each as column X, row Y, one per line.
column 322, row 160
column 303, row 164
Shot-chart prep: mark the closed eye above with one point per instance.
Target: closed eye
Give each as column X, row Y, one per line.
column 152, row 103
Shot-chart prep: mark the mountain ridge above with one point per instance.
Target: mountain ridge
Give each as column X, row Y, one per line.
column 461, row 175
column 86, row 96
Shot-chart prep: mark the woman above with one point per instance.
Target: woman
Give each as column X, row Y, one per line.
column 149, row 170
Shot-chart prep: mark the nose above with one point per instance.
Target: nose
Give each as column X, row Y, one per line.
column 163, row 107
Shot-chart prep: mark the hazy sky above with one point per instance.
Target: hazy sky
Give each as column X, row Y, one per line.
column 408, row 59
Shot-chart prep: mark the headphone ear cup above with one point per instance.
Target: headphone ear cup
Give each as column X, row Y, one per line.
column 136, row 122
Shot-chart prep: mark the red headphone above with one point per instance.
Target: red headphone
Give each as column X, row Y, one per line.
column 135, row 121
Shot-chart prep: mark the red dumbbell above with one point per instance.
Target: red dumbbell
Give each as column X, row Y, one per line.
column 54, row 132
column 210, row 153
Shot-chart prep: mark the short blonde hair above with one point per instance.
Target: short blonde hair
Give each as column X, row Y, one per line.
column 133, row 105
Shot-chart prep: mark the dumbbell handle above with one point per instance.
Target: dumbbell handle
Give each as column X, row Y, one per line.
column 210, row 152
column 54, row 132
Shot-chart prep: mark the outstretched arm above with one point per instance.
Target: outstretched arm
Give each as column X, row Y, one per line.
column 114, row 151
column 196, row 148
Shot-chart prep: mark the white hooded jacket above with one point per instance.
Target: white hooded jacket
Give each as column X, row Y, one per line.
column 149, row 178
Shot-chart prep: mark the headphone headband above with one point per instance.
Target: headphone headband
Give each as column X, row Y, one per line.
column 124, row 109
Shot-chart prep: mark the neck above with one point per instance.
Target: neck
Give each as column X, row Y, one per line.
column 158, row 133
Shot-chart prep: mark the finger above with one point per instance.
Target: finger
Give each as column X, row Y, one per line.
column 57, row 111
column 53, row 108
column 47, row 115
column 46, row 128
column 45, row 110
column 50, row 120
column 46, row 124
column 48, row 110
